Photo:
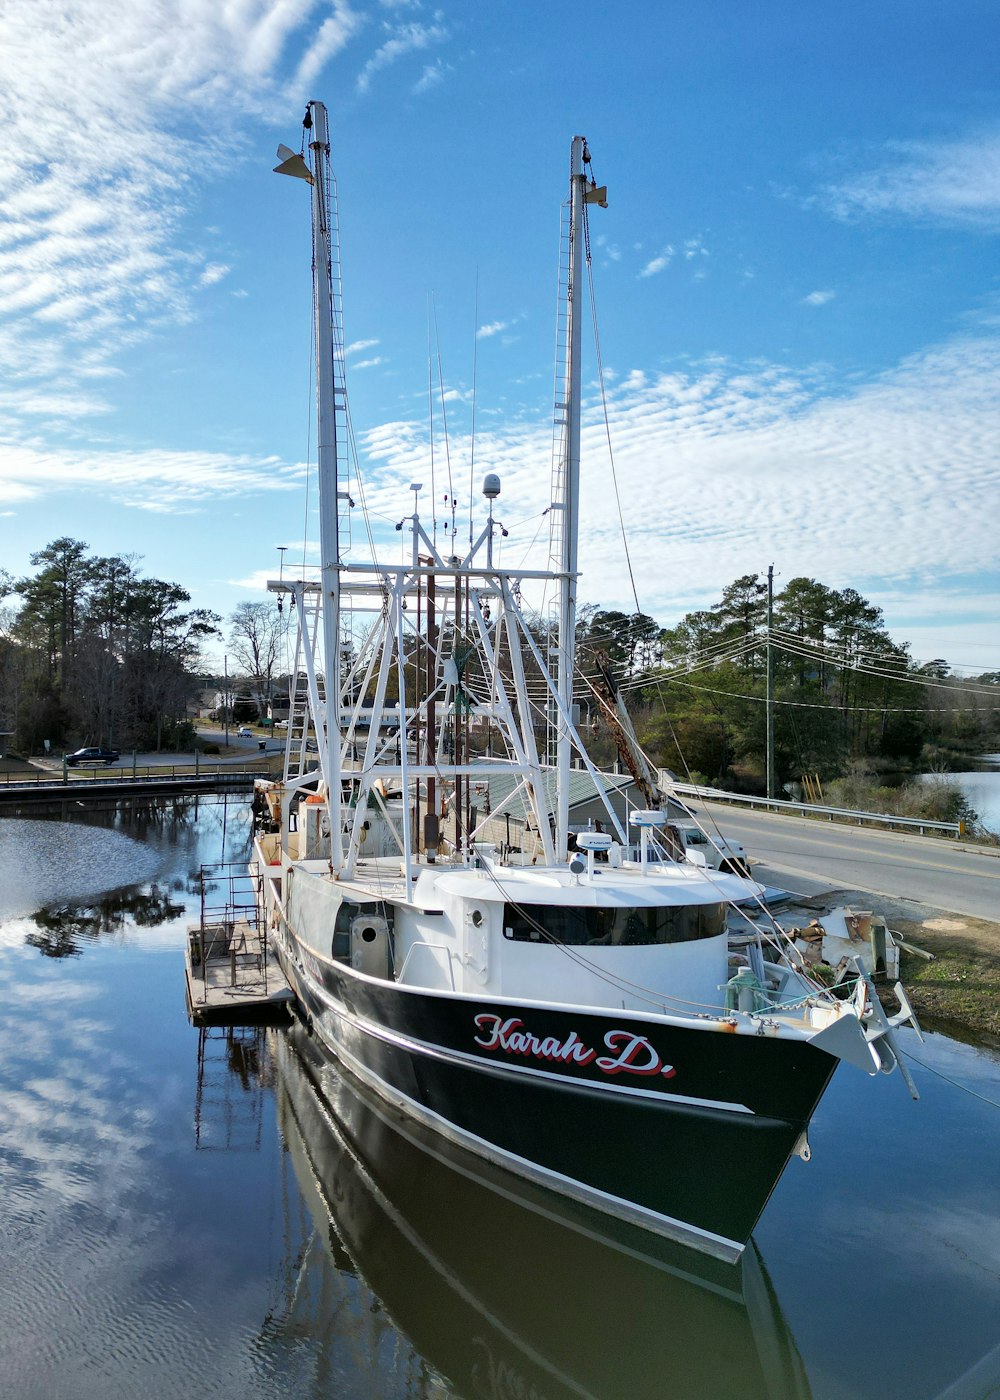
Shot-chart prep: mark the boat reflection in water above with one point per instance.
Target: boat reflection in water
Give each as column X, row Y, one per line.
column 508, row 1290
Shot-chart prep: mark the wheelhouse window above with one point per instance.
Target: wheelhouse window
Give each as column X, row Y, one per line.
column 558, row 923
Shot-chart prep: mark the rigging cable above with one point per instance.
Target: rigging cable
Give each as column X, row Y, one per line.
column 444, row 424
column 430, row 418
column 604, row 401
column 611, row 457
column 475, row 381
column 614, row 474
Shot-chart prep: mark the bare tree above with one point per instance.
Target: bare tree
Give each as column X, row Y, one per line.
column 256, row 641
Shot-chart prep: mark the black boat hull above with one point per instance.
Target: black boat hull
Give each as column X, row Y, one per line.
column 688, row 1137
column 498, row 1287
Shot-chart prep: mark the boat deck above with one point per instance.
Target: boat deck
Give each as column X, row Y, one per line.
column 232, row 975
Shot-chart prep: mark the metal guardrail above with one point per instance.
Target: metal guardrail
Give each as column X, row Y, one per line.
column 920, row 824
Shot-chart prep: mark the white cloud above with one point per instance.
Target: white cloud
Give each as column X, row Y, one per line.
column 432, row 76
column 156, row 480
column 818, row 298
column 724, row 468
column 357, row 346
column 609, row 249
column 949, row 181
column 403, row 39
column 93, row 195
column 657, row 264
column 214, row 272
column 493, row 328
column 292, row 567
column 957, row 622
column 368, row 364
column 49, row 405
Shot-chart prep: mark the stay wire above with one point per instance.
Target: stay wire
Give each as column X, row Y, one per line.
column 475, row 381
column 614, row 474
column 444, row 422
column 430, row 420
column 614, row 478
column 604, row 405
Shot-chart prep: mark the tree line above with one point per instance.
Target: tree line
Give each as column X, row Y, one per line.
column 93, row 652
column 843, row 689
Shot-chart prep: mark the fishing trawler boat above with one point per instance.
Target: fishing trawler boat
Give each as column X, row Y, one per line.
column 579, row 1017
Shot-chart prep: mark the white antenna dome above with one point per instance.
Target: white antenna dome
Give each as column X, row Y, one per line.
column 491, row 486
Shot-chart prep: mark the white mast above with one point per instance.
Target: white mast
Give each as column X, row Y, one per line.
column 328, row 384
column 329, row 486
column 568, row 506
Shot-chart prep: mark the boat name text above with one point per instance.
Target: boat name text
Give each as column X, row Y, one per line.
column 630, row 1053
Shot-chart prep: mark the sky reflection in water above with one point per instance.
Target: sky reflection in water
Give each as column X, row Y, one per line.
column 182, row 1215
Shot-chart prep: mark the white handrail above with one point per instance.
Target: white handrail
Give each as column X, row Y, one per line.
column 440, row 947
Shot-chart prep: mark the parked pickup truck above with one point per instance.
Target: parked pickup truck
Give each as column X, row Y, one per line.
column 87, row 756
column 719, row 853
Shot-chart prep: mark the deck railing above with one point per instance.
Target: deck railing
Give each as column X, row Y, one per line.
column 258, row 767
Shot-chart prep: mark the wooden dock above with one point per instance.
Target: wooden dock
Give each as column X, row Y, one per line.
column 232, row 975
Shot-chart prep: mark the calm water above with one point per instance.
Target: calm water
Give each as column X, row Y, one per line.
column 983, row 791
column 187, row 1214
column 981, row 786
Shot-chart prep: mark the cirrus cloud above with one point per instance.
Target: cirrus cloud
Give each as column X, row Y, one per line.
column 705, row 459
column 93, row 197
column 955, row 182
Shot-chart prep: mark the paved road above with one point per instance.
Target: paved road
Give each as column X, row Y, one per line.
column 248, row 749
column 809, row 857
column 252, row 745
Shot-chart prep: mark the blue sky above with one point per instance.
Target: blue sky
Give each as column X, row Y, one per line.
column 796, row 283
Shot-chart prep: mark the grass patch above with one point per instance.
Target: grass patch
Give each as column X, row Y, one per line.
column 936, row 800
column 962, row 985
column 16, row 765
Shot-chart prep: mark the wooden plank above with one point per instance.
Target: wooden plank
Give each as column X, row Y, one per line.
column 240, row 981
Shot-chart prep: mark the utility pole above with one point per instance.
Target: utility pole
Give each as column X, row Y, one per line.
column 770, row 682
column 225, row 710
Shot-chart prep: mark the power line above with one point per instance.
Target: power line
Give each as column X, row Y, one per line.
column 906, row 677
column 829, row 705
